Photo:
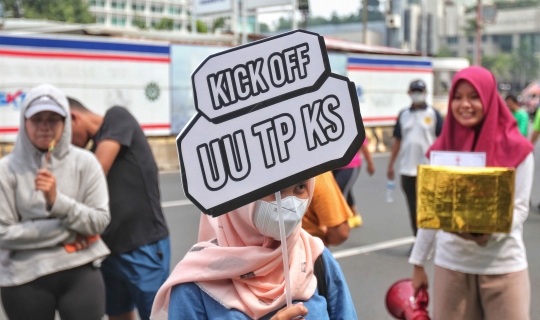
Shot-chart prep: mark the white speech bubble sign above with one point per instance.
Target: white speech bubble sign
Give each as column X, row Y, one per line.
column 261, row 73
column 230, row 164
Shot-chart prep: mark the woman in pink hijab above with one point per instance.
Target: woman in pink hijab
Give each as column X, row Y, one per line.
column 480, row 276
column 236, row 269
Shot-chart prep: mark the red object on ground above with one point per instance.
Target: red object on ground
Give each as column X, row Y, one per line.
column 401, row 303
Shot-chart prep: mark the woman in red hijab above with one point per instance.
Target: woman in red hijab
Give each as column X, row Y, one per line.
column 480, row 276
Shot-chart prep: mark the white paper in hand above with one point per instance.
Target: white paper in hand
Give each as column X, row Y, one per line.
column 457, row 159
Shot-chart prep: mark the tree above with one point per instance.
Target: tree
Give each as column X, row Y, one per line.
column 263, row 27
column 165, row 24
column 524, row 64
column 75, row 11
column 139, row 22
column 470, row 27
column 445, row 52
column 201, row 27
column 517, row 68
column 218, row 23
column 499, row 65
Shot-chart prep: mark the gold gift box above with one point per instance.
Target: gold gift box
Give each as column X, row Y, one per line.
column 465, row 199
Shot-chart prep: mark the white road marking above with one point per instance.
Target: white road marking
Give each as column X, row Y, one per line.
column 373, row 247
column 176, row 203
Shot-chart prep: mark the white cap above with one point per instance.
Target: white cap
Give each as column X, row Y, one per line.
column 43, row 103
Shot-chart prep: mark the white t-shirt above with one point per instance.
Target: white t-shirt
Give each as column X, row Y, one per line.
column 504, row 253
column 417, row 128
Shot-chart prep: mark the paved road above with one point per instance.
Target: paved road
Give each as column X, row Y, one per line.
column 370, row 274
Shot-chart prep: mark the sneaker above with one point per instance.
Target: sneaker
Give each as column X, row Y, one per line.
column 355, row 221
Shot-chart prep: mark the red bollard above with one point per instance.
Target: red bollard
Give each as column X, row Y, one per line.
column 401, row 303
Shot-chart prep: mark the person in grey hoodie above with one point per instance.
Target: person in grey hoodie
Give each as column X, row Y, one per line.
column 53, row 205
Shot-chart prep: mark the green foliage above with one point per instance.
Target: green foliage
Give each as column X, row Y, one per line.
column 500, row 66
column 373, row 15
column 525, row 64
column 263, row 27
column 519, row 67
column 140, row 22
column 201, row 27
column 75, row 11
column 218, row 23
column 505, row 4
column 470, row 27
column 165, row 24
column 445, row 52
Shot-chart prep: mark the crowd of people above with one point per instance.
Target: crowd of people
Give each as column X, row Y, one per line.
column 82, row 231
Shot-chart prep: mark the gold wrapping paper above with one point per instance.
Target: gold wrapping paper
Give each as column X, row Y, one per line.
column 465, row 199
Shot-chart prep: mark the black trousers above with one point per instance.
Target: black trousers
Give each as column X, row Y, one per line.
column 408, row 184
column 345, row 179
column 77, row 294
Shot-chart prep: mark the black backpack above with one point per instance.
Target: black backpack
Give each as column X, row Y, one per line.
column 320, row 273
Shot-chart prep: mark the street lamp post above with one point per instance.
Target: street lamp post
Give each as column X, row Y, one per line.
column 365, row 18
column 478, row 53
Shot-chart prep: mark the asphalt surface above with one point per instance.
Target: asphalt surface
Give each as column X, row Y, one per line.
column 368, row 275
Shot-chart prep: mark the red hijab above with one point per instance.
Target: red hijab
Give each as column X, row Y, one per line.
column 497, row 135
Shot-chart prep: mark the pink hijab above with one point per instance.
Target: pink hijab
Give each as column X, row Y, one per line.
column 497, row 135
column 242, row 269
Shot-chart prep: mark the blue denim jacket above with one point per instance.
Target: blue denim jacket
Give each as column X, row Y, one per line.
column 188, row 301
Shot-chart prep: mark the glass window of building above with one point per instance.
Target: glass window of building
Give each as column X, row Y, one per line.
column 97, row 3
column 118, row 20
column 504, row 42
column 177, row 25
column 531, row 41
column 116, row 4
column 100, row 18
column 137, row 6
column 156, row 8
column 175, row 10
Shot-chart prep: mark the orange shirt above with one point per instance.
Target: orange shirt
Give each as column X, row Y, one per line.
column 327, row 208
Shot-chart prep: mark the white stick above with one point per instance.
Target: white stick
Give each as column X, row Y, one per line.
column 284, row 252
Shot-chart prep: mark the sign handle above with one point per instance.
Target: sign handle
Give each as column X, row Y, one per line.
column 284, row 252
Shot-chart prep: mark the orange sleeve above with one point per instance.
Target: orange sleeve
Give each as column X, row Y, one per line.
column 328, row 206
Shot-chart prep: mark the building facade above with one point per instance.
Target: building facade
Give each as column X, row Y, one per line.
column 134, row 14
column 503, row 35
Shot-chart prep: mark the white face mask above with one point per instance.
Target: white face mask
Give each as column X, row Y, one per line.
column 418, row 97
column 266, row 217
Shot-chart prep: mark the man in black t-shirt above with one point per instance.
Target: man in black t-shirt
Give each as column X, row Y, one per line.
column 137, row 235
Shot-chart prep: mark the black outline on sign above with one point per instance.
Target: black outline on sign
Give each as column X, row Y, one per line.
column 213, row 163
column 331, row 110
column 220, row 100
column 310, row 110
column 252, row 85
column 236, row 155
column 267, row 131
column 286, row 141
column 286, row 182
column 259, row 105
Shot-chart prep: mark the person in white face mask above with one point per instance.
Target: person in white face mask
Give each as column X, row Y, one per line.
column 416, row 129
column 236, row 269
